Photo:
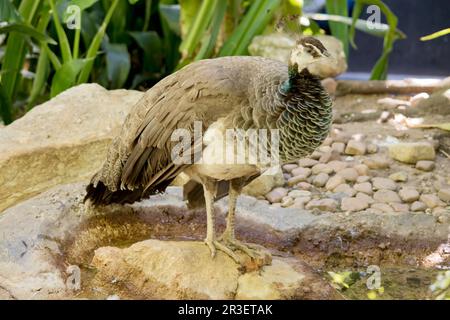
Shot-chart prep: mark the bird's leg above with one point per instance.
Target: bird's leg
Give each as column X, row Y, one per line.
column 210, row 190
column 228, row 237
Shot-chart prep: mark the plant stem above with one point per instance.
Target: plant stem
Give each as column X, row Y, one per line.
column 148, row 13
column 13, row 60
column 198, row 28
column 63, row 41
column 95, row 45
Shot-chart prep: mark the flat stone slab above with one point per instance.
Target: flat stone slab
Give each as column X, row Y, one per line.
column 61, row 141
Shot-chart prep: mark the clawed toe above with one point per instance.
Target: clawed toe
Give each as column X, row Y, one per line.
column 216, row 245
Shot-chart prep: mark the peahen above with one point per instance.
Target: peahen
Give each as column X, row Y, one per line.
column 223, row 93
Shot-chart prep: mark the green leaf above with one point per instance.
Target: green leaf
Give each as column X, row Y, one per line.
column 62, row 36
column 340, row 31
column 209, row 41
column 151, row 44
column 5, row 106
column 28, row 31
column 66, row 76
column 253, row 23
column 171, row 14
column 117, row 63
column 95, row 44
column 16, row 50
column 83, row 4
column 435, row 35
column 8, row 12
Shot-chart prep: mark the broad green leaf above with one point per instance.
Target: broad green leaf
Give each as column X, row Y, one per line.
column 95, row 44
column 66, row 76
column 151, row 44
column 118, row 64
column 5, row 106
column 27, row 30
column 340, row 31
column 253, row 23
column 171, row 14
column 133, row 1
column 209, row 40
column 83, row 4
column 16, row 50
column 8, row 12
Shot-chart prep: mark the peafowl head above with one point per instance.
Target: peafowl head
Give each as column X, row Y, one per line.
column 308, row 50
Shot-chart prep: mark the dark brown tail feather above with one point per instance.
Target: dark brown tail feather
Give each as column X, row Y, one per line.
column 101, row 195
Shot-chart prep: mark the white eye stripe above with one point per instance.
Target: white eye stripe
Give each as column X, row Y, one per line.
column 310, row 47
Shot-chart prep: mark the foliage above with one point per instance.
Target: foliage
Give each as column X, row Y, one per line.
column 47, row 46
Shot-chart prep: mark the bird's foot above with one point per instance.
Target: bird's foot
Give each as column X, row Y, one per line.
column 254, row 256
column 258, row 255
column 216, row 245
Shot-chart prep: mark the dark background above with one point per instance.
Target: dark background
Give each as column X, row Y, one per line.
column 410, row 56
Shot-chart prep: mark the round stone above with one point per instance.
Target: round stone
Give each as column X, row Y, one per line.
column 355, row 148
column 365, row 187
column 377, row 162
column 444, row 194
column 333, row 182
column 321, row 179
column 349, row 174
column 300, row 171
column 307, row 162
column 354, row 204
column 418, row 206
column 345, row 188
column 425, row 165
column 276, row 195
column 299, row 194
column 400, row 176
column 321, row 167
column 362, row 169
column 409, row 195
column 386, row 196
column 289, row 167
column 287, row 202
column 384, row 183
column 362, row 179
column 337, row 165
column 431, row 200
column 338, row 147
column 365, row 197
column 384, row 207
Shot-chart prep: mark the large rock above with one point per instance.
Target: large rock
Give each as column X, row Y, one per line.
column 437, row 103
column 265, row 183
column 184, row 270
column 278, row 46
column 63, row 140
column 412, row 152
